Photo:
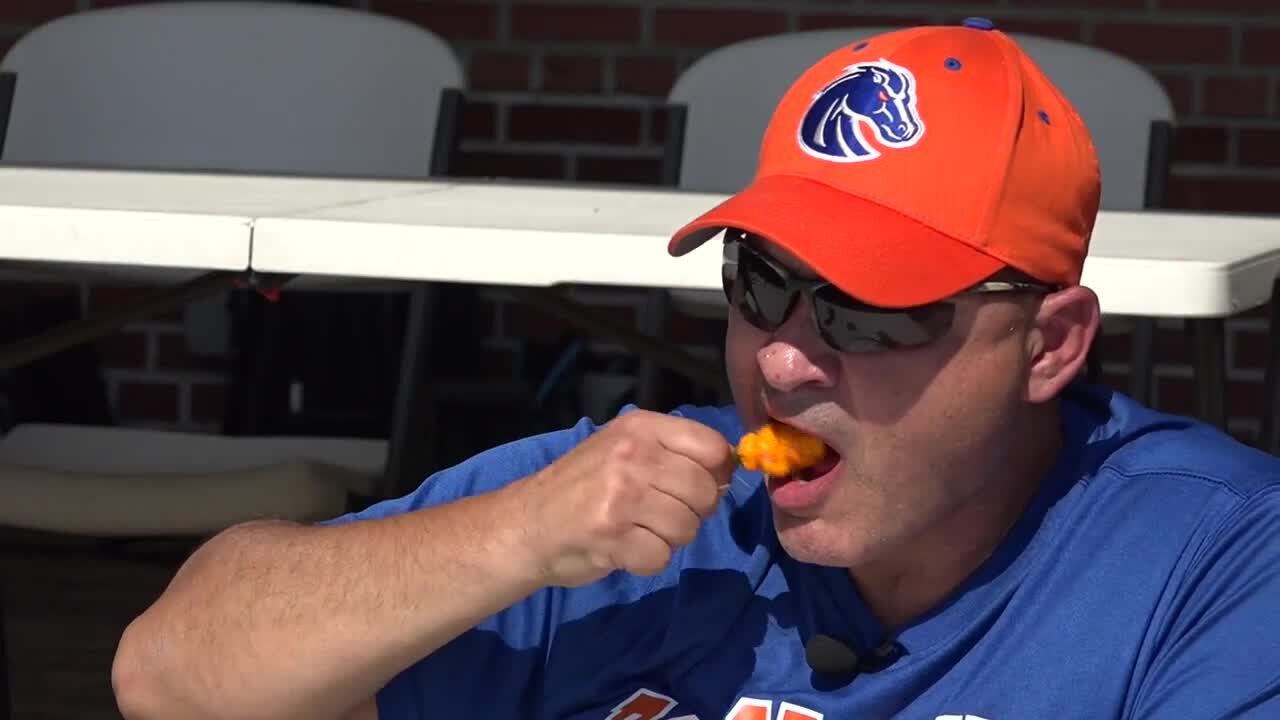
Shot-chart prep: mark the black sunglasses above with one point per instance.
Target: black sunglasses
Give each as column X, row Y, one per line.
column 765, row 293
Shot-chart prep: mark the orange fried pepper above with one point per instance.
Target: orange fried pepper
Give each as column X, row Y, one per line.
column 779, row 450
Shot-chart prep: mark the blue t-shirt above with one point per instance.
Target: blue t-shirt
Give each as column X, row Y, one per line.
column 1142, row 582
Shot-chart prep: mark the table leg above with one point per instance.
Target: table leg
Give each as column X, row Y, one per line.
column 1210, row 369
column 1141, row 375
column 5, row 707
column 412, row 443
column 652, row 322
column 1270, row 436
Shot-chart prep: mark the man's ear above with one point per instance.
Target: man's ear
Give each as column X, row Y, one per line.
column 1062, row 333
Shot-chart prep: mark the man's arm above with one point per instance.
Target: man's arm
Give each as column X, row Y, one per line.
column 276, row 620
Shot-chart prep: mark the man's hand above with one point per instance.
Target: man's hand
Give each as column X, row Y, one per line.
column 625, row 499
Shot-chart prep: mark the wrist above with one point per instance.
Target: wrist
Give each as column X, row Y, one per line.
column 519, row 551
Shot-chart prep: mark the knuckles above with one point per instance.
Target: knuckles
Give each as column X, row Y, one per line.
column 617, row 495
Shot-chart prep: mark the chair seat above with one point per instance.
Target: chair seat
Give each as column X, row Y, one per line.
column 168, row 505
column 133, row 482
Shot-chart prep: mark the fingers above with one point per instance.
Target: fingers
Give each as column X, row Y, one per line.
column 667, row 517
column 690, row 483
column 642, row 552
column 690, row 438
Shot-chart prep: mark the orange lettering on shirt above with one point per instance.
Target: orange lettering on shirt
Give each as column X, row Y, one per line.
column 751, row 709
column 787, row 711
column 642, row 705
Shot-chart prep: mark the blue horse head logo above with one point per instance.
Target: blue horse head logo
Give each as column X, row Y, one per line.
column 879, row 96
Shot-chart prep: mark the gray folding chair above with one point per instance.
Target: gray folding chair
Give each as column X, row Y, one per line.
column 720, row 105
column 252, row 87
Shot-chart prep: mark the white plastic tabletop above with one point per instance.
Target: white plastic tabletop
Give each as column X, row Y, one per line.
column 1146, row 264
column 1164, row 264
column 145, row 220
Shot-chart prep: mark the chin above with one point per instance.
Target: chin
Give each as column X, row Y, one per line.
column 819, row 541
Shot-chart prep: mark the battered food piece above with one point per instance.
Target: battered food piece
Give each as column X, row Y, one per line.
column 780, row 450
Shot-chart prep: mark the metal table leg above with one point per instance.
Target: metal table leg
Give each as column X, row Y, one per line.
column 5, row 698
column 1210, row 369
column 1141, row 375
column 412, row 440
column 1270, row 437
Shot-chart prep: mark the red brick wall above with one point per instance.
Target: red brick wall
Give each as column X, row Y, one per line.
column 570, row 90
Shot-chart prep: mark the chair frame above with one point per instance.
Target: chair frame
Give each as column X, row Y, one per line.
column 412, row 404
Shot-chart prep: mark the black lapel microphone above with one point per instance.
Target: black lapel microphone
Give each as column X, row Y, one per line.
column 829, row 656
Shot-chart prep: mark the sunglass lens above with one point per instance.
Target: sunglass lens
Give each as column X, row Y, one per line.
column 854, row 327
column 759, row 292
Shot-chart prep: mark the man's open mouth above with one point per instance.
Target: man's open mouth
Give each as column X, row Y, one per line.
column 828, row 463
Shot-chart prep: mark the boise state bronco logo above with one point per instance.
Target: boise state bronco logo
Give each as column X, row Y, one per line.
column 878, row 96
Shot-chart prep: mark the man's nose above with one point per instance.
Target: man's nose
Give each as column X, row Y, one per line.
column 796, row 355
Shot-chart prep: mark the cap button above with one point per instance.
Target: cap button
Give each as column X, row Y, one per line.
column 978, row 23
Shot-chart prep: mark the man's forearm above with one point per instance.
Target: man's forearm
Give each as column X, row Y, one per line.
column 275, row 620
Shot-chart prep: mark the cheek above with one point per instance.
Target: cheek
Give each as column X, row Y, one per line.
column 930, row 400
column 896, row 388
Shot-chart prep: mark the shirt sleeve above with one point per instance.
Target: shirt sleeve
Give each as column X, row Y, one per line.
column 1220, row 655
column 484, row 472
column 503, row 667
column 490, row 670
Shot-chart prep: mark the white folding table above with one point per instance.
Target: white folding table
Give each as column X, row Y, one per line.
column 1157, row 264
column 1199, row 267
column 188, row 235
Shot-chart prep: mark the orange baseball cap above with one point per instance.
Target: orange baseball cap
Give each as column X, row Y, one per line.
column 907, row 167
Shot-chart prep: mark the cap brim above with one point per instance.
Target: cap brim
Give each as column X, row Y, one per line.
column 874, row 253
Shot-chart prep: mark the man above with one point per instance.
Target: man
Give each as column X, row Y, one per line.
column 988, row 536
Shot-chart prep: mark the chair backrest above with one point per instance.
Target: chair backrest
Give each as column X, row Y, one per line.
column 729, row 94
column 250, row 87
column 268, row 87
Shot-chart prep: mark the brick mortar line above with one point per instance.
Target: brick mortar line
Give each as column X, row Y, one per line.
column 1233, row 149
column 1196, row 74
column 1197, row 91
column 184, row 402
column 1202, row 72
column 654, row 151
column 1154, row 16
column 501, row 124
column 1088, row 31
column 503, row 28
column 151, row 359
column 537, row 59
column 609, row 76
column 546, row 99
column 532, row 49
column 1229, row 123
column 647, row 24
column 1211, row 68
column 1235, row 172
column 570, row 149
column 1237, row 24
